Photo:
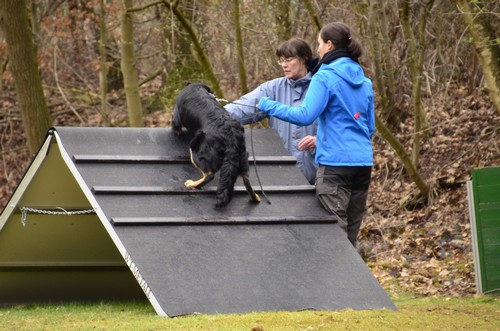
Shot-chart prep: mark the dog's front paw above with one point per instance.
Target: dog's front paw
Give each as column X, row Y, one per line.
column 190, row 183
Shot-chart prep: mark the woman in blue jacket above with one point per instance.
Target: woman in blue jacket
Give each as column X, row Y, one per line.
column 341, row 98
column 295, row 58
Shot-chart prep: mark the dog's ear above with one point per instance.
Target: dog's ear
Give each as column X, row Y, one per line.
column 209, row 90
column 198, row 138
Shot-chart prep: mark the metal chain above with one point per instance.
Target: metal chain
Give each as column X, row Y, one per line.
column 25, row 210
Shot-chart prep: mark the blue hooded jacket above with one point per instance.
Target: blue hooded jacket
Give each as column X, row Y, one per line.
column 341, row 98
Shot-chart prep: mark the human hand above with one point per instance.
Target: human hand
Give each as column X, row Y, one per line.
column 260, row 106
column 307, row 143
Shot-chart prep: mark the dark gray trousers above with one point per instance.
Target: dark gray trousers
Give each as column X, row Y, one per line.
column 343, row 191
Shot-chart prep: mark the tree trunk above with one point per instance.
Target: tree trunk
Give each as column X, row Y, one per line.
column 282, row 18
column 103, row 72
column 486, row 45
column 380, row 46
column 115, row 74
column 35, row 25
column 23, row 62
column 75, row 13
column 416, row 58
column 410, row 168
column 239, row 47
column 136, row 118
column 312, row 12
column 198, row 50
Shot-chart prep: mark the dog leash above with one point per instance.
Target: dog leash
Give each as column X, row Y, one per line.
column 251, row 145
column 255, row 166
column 234, row 103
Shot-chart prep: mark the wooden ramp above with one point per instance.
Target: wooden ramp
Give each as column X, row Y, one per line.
column 102, row 214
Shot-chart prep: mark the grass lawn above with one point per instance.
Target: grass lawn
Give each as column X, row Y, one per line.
column 471, row 313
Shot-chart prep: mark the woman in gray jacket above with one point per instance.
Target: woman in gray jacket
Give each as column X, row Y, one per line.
column 295, row 58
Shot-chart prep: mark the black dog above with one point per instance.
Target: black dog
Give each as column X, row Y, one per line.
column 218, row 141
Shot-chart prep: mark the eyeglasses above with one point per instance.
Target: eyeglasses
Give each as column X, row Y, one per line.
column 283, row 61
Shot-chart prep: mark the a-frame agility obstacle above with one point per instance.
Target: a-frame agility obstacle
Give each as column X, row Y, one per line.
column 102, row 214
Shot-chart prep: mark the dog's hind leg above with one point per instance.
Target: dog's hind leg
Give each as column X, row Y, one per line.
column 206, row 177
column 253, row 196
column 244, row 169
column 227, row 177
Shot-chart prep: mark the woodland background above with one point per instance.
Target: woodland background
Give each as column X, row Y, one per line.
column 435, row 65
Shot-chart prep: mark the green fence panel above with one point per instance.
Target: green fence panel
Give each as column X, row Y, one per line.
column 485, row 224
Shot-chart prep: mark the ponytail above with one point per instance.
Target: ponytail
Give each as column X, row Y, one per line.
column 340, row 36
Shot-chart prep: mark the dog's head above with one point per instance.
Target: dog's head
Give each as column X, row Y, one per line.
column 190, row 107
column 196, row 86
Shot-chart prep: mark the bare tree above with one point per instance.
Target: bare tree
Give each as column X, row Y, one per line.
column 103, row 71
column 412, row 171
column 136, row 118
column 312, row 12
column 485, row 37
column 23, row 62
column 282, row 18
column 380, row 42
column 35, row 25
column 198, row 49
column 417, row 48
column 239, row 47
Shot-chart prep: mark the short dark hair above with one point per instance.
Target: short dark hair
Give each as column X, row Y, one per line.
column 295, row 47
column 340, row 36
